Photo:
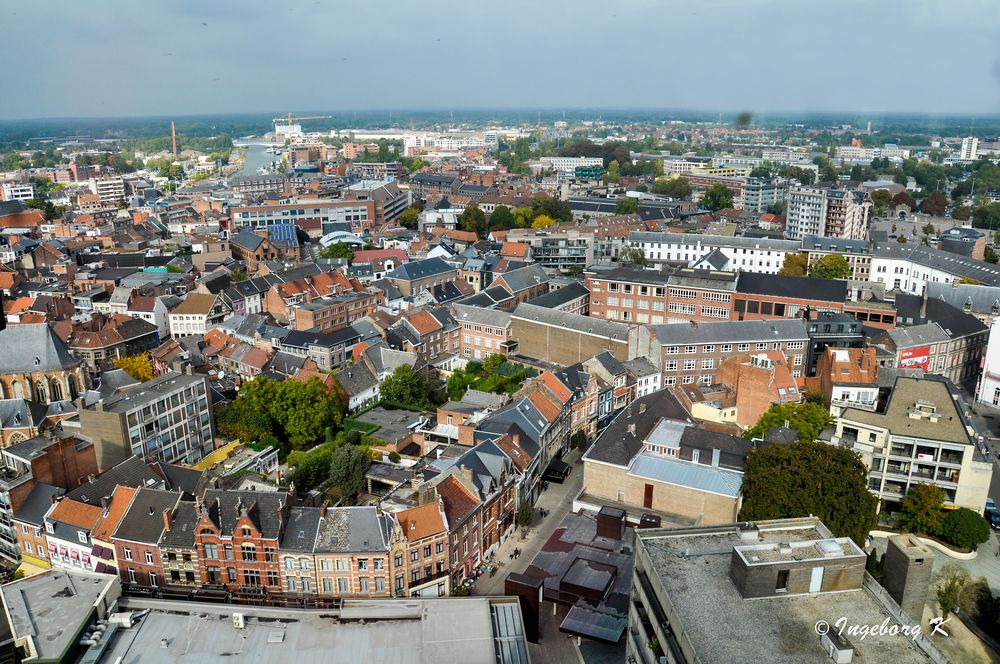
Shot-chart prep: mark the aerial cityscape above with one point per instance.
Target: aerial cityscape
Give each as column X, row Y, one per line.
column 362, row 333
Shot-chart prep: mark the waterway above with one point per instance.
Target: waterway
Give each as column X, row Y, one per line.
column 256, row 157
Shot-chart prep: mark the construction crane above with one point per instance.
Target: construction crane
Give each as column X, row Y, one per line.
column 292, row 118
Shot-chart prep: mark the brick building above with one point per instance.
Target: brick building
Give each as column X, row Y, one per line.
column 419, row 550
column 137, row 538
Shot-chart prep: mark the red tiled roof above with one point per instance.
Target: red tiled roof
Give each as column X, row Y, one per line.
column 458, row 501
column 423, row 322
column 421, row 522
column 561, row 392
column 515, row 249
column 74, row 513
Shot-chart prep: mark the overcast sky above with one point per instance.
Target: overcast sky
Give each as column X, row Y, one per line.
column 64, row 58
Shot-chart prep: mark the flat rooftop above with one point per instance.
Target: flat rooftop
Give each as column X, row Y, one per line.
column 693, row 566
column 776, row 552
column 471, row 630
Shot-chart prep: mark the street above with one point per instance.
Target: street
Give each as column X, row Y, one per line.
column 559, row 648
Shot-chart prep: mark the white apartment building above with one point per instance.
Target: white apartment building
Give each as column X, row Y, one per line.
column 819, row 212
column 329, row 213
column 110, row 189
column 988, row 390
column 759, row 193
column 861, row 154
column 908, row 267
column 970, row 148
column 921, row 437
column 747, row 254
column 569, row 164
column 18, row 191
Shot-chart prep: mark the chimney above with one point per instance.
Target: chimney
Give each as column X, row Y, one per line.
column 516, row 438
column 923, row 304
column 631, row 429
column 166, row 520
column 322, row 511
column 105, row 503
column 151, row 510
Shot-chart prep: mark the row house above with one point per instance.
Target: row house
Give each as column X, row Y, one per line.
column 178, row 553
column 237, row 539
column 746, row 254
column 352, row 552
column 113, row 510
column 316, row 216
column 430, row 333
column 102, row 341
column 419, row 551
column 247, row 296
column 197, row 314
column 68, row 527
column 236, row 358
column 484, row 331
column 29, row 524
column 137, row 538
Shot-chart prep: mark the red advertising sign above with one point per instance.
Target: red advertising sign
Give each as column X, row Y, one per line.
column 915, row 358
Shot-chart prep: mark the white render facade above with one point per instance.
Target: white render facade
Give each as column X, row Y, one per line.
column 746, row 254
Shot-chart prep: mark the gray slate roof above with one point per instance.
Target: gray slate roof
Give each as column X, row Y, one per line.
column 143, row 523
column 300, row 533
column 131, row 472
column 38, row 349
column 353, row 530
column 730, row 332
column 594, row 326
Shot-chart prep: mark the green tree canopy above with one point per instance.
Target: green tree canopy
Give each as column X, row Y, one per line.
column 348, row 465
column 965, row 528
column 553, row 207
column 405, row 386
column 631, row 254
column 502, row 218
column 337, row 250
column 795, row 265
column 410, row 217
column 296, row 413
column 785, row 481
column 807, row 419
column 627, row 205
column 903, row 198
column 473, row 220
column 881, row 198
column 961, row 212
column 613, row 175
column 717, row 197
column 676, row 187
column 831, row 266
column 921, row 509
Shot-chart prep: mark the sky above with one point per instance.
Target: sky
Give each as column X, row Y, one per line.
column 111, row 58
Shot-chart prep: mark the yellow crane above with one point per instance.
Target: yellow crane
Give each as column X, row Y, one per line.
column 292, row 118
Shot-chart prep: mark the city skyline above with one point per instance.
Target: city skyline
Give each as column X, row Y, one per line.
column 766, row 56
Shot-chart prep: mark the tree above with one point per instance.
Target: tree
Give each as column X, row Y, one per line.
column 965, row 528
column 831, row 266
column 795, row 265
column 542, row 221
column 493, row 362
column 138, row 366
column 613, row 174
column 903, row 198
column 829, row 482
column 928, row 229
column 310, row 469
column 934, row 204
column 717, row 197
column 502, row 217
column 676, row 187
column 473, row 220
column 522, row 217
column 410, row 217
column 921, row 509
column 405, row 386
column 776, row 208
column 348, row 465
column 337, row 250
column 627, row 205
column 901, row 239
column 948, row 587
column 553, row 207
column 881, row 198
column 986, row 216
column 990, row 255
column 525, row 514
column 631, row 254
column 578, row 439
column 961, row 212
column 807, row 419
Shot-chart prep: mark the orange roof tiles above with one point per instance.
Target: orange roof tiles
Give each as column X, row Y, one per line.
column 120, row 501
column 458, row 501
column 421, row 522
column 74, row 513
column 560, row 391
column 515, row 249
column 549, row 410
column 423, row 322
